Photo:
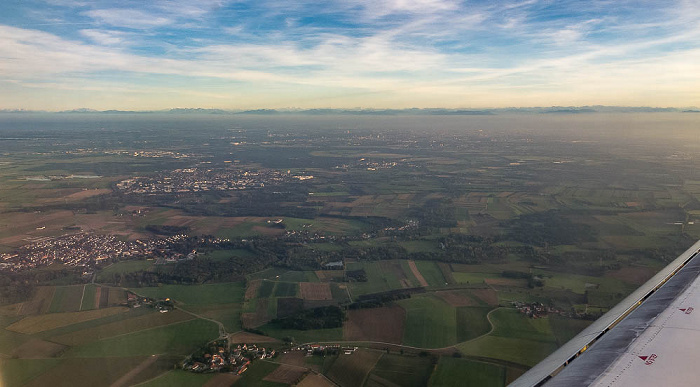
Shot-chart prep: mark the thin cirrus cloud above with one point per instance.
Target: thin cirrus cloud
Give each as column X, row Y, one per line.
column 372, row 53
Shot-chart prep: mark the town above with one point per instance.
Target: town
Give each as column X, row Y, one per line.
column 88, row 250
column 219, row 356
column 202, row 180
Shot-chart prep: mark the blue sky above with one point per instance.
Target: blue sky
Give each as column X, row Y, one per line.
column 64, row 54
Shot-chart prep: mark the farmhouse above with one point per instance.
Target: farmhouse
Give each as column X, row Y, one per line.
column 339, row 265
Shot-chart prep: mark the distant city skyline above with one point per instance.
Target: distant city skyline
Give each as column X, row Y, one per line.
column 395, row 54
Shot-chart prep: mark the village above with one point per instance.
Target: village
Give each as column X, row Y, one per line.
column 220, row 356
column 89, row 250
column 204, row 179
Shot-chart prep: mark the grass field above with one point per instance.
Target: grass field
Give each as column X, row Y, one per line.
column 178, row 378
column 333, row 334
column 352, row 370
column 86, row 372
column 227, row 314
column 472, row 322
column 88, row 297
column 472, row 278
column 577, row 283
column 383, row 324
column 511, row 323
column 220, row 293
column 432, row 273
column 515, row 338
column 176, row 339
column 405, row 371
column 378, row 279
column 45, row 322
column 16, row 372
column 266, row 289
column 107, row 274
column 564, row 329
column 151, row 320
column 461, row 372
column 286, row 289
column 128, row 314
column 66, row 299
column 430, row 322
column 9, row 341
column 520, row 351
column 256, row 372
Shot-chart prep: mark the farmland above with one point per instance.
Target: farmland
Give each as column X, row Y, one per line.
column 430, row 322
column 197, row 295
column 378, row 324
column 460, row 372
column 176, row 339
column 349, row 371
column 436, row 230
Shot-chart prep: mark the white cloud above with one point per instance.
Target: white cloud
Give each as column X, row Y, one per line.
column 129, row 18
column 104, row 37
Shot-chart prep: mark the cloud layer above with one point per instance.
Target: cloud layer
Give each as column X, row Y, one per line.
column 60, row 54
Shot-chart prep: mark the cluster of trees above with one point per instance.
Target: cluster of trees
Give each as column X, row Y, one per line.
column 359, row 275
column 547, row 228
column 317, row 318
column 434, row 213
column 20, row 286
column 203, row 270
column 167, row 230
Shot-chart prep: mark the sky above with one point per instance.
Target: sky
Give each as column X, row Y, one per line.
column 159, row 54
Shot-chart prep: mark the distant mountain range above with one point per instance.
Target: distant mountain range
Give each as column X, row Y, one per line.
column 385, row 112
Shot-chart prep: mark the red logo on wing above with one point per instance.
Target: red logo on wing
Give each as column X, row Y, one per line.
column 649, row 360
column 687, row 310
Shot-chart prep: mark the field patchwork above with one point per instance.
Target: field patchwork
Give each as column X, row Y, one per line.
column 151, row 320
column 286, row 374
column 315, row 291
column 352, row 370
column 45, row 322
column 383, row 324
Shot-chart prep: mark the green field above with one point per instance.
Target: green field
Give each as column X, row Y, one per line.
column 472, row 278
column 378, row 279
column 16, row 372
column 122, row 327
column 256, row 372
column 472, row 322
column 178, row 378
column 515, row 338
column 66, row 299
column 405, row 371
column 88, row 297
column 461, row 372
column 310, row 336
column 511, row 323
column 227, row 314
column 286, row 289
column 430, row 322
column 108, row 273
column 520, row 351
column 432, row 273
column 564, row 329
column 86, row 372
column 266, row 289
column 177, row 339
column 352, row 370
column 89, row 324
column 220, row 293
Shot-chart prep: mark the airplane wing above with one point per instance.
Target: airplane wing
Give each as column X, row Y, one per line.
column 651, row 338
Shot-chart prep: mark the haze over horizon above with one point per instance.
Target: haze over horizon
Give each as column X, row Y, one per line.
column 127, row 55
